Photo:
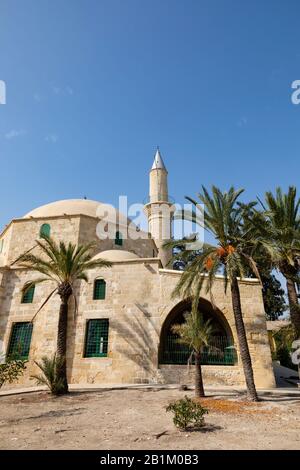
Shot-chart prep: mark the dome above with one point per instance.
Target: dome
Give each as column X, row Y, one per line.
column 76, row 207
column 116, row 255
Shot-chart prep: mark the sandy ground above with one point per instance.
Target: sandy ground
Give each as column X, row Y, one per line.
column 136, row 419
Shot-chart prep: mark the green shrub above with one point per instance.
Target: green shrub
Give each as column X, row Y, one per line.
column 11, row 370
column 187, row 413
column 49, row 377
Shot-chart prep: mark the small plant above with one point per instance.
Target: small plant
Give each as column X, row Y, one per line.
column 187, row 413
column 11, row 370
column 196, row 334
column 50, row 377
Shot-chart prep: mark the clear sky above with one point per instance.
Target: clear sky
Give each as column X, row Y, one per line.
column 93, row 86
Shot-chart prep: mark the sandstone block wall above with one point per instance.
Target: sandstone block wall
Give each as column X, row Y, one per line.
column 137, row 303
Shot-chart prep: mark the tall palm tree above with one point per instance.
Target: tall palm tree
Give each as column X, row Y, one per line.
column 279, row 230
column 195, row 333
column 64, row 265
column 223, row 218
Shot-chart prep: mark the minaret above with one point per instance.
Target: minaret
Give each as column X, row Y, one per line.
column 159, row 209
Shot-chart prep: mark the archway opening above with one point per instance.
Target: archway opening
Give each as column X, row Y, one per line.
column 221, row 349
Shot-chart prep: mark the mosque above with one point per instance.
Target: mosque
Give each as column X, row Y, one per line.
column 122, row 332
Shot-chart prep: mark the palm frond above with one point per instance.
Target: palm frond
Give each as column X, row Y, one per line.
column 61, row 263
column 194, row 332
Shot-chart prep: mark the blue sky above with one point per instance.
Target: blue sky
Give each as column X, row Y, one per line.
column 94, row 86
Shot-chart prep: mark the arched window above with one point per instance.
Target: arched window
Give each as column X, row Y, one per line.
column 119, row 239
column 28, row 294
column 45, row 231
column 99, row 289
column 220, row 350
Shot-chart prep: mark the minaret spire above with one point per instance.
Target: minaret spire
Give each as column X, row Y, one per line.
column 158, row 163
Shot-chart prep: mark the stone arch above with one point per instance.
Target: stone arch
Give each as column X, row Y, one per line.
column 223, row 336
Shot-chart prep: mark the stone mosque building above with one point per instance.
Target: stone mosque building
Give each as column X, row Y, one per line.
column 122, row 332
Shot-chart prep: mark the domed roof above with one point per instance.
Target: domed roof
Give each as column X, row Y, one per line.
column 76, row 207
column 116, row 255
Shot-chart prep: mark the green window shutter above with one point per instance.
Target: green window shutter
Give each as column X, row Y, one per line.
column 119, row 239
column 1, row 245
column 99, row 289
column 96, row 343
column 20, row 340
column 28, row 295
column 45, row 230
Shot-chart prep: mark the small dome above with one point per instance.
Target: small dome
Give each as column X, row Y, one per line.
column 116, row 255
column 76, row 207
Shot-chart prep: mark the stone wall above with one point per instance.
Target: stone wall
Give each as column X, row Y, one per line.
column 21, row 235
column 137, row 303
column 212, row 375
column 5, row 242
column 137, row 242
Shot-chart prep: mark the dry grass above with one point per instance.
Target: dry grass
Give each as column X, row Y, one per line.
column 239, row 407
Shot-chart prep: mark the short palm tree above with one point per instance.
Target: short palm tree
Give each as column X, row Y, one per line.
column 223, row 218
column 196, row 334
column 49, row 377
column 63, row 264
column 279, row 230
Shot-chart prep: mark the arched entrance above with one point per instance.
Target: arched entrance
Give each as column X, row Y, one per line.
column 221, row 350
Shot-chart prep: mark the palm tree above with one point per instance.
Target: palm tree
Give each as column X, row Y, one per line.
column 49, row 377
column 196, row 334
column 64, row 265
column 279, row 230
column 223, row 218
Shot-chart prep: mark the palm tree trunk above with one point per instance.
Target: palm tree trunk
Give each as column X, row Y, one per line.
column 62, row 343
column 294, row 305
column 242, row 338
column 199, row 389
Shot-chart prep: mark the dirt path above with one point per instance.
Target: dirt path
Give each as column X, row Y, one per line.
column 136, row 419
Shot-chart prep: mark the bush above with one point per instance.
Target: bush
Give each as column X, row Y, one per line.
column 49, row 377
column 187, row 413
column 11, row 371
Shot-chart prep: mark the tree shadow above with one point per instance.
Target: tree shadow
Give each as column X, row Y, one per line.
column 137, row 340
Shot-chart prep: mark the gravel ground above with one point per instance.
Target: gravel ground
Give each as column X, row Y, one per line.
column 136, row 419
